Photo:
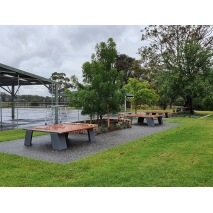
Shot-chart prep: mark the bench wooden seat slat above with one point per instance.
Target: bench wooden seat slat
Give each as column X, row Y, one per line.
column 60, row 128
column 144, row 115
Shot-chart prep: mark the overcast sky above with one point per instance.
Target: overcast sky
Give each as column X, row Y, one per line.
column 42, row 37
column 42, row 50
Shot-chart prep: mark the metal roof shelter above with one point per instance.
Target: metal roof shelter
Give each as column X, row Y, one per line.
column 10, row 76
column 128, row 95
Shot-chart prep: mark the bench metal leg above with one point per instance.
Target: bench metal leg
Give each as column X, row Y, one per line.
column 130, row 117
column 140, row 120
column 58, row 141
column 150, row 121
column 91, row 135
column 160, row 120
column 28, row 137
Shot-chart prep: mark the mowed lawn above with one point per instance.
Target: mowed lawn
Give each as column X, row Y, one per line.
column 181, row 156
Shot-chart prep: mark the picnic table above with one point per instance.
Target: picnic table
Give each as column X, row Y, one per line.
column 149, row 118
column 59, row 133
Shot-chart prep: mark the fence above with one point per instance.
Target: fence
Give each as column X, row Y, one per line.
column 30, row 104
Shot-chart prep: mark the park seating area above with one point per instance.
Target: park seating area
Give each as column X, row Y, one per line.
column 121, row 119
column 95, row 123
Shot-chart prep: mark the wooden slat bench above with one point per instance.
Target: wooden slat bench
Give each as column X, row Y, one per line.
column 149, row 118
column 59, row 133
column 159, row 113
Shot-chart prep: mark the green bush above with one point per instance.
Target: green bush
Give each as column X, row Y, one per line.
column 34, row 103
column 179, row 101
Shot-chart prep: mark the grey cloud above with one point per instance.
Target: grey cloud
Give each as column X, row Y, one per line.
column 46, row 49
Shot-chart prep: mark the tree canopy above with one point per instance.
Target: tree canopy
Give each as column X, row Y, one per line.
column 143, row 94
column 63, row 83
column 101, row 91
column 125, row 63
column 190, row 72
column 181, row 55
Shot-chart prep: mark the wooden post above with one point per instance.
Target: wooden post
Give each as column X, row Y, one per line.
column 108, row 120
column 125, row 104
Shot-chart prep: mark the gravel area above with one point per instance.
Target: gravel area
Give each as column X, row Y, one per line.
column 78, row 145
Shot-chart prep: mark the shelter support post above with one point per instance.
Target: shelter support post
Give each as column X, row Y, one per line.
column 13, row 104
column 56, row 103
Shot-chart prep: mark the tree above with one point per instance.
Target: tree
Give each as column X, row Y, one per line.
column 132, row 69
column 124, row 63
column 191, row 71
column 63, row 83
column 166, row 44
column 141, row 92
column 168, row 38
column 139, row 72
column 101, row 93
column 166, row 88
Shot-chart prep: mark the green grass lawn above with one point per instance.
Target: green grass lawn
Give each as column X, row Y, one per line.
column 181, row 156
column 9, row 135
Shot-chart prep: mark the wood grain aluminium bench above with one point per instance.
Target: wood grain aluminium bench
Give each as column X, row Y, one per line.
column 59, row 134
column 149, row 118
column 159, row 113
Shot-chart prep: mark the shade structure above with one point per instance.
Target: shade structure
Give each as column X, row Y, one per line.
column 11, row 77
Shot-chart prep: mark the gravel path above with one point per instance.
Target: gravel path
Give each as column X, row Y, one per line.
column 78, row 145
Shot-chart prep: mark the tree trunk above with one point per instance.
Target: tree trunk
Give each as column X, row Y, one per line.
column 97, row 117
column 101, row 119
column 188, row 103
column 135, row 109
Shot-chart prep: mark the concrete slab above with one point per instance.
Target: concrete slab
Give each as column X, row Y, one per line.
column 79, row 145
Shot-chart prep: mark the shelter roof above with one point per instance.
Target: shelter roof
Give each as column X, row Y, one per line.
column 10, row 76
column 128, row 95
